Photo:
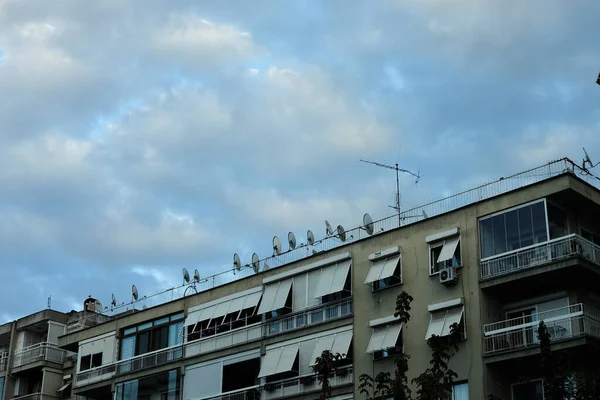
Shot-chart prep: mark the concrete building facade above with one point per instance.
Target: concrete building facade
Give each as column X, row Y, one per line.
column 496, row 262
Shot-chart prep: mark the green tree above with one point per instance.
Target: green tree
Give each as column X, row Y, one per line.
column 384, row 384
column 325, row 368
column 436, row 381
column 554, row 366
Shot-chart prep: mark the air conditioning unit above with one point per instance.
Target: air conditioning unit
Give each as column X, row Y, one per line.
column 448, row 276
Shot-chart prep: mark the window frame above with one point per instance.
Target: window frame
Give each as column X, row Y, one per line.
column 396, row 280
column 384, row 354
column 441, row 243
column 507, row 210
column 512, row 387
column 457, row 384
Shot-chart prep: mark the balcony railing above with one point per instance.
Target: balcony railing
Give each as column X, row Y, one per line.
column 309, row 317
column 39, row 352
column 36, row 396
column 3, row 361
column 148, row 360
column 562, row 323
column 249, row 393
column 95, row 374
column 539, row 254
column 297, row 386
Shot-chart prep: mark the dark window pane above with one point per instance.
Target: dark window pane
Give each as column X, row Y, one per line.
column 525, row 226
column 85, row 363
column 97, row 360
column 512, row 230
column 160, row 338
column 557, row 221
column 142, row 343
column 486, row 233
column 538, row 216
column 435, row 254
column 499, row 234
column 528, row 391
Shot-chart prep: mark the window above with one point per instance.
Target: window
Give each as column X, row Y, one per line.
column 592, row 237
column 514, row 229
column 444, row 254
column 240, row 375
column 163, row 386
column 96, row 360
column 390, row 281
column 442, row 320
column 557, row 221
column 460, row 391
column 533, row 390
column 153, row 335
column 386, row 340
column 85, row 363
column 385, row 271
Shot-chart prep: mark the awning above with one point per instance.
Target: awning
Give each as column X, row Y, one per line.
column 275, row 296
column 278, row 360
column 384, row 337
column 382, row 268
column 63, row 387
column 337, row 343
column 228, row 307
column 332, row 279
column 449, row 249
column 442, row 320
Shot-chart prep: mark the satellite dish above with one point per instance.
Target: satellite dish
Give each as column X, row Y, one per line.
column 113, row 302
column 587, row 160
column 196, row 276
column 186, row 275
column 292, row 240
column 236, row 262
column 328, row 228
column 341, row 233
column 276, row 246
column 368, row 224
column 255, row 263
column 310, row 237
column 266, row 267
column 425, row 216
column 134, row 291
column 99, row 307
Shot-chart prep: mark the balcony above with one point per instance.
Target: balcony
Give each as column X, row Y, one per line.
column 149, row 360
column 305, row 384
column 564, row 323
column 543, row 253
column 39, row 352
column 95, row 375
column 250, row 393
column 309, row 317
column 36, row 396
column 3, row 361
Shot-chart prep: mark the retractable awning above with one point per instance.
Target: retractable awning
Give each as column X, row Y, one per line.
column 63, row 387
column 228, row 307
column 382, row 268
column 448, row 249
column 442, row 320
column 384, row 337
column 337, row 343
column 332, row 279
column 278, row 360
column 275, row 296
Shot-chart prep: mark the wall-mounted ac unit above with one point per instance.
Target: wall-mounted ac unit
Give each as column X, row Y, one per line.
column 448, row 276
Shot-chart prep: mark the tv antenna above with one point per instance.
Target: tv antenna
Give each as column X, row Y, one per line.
column 398, row 170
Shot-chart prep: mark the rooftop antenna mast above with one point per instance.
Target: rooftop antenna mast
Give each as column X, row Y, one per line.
column 398, row 170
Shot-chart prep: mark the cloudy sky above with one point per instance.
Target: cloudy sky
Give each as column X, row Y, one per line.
column 138, row 137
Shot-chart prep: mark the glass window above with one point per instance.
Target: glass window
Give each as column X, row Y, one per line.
column 514, row 229
column 142, row 344
column 127, row 348
column 557, row 221
column 176, row 333
column 96, row 360
column 129, row 331
column 147, row 325
column 161, row 321
column 1, row 387
column 436, row 249
column 528, row 391
column 177, row 316
column 85, row 363
column 460, row 391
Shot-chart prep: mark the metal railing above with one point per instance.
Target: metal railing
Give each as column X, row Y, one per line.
column 249, row 393
column 39, row 352
column 562, row 323
column 148, row 360
column 539, row 254
column 309, row 317
column 408, row 216
column 36, row 396
column 309, row 383
column 95, row 374
column 3, row 361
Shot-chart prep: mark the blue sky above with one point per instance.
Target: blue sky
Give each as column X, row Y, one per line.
column 141, row 137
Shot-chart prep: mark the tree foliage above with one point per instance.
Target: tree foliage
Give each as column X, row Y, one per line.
column 325, row 368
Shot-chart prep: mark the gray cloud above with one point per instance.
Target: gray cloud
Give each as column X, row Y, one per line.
column 141, row 137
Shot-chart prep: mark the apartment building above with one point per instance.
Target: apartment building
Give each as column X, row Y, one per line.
column 495, row 260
